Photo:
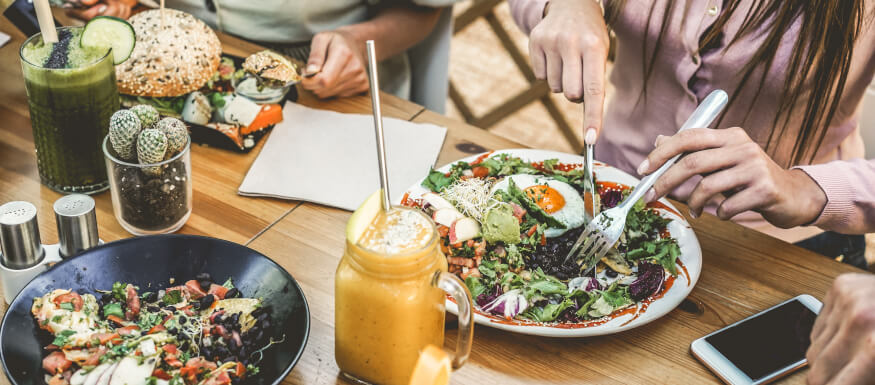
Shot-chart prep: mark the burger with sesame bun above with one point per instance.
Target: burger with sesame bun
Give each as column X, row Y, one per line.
column 175, row 54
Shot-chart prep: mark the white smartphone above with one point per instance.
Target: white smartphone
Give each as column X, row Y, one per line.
column 763, row 347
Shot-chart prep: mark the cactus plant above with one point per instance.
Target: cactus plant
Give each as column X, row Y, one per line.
column 176, row 133
column 124, row 126
column 148, row 115
column 151, row 147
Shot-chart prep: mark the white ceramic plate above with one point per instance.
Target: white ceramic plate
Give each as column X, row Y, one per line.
column 690, row 260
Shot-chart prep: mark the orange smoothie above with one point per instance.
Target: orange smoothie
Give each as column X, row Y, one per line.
column 388, row 306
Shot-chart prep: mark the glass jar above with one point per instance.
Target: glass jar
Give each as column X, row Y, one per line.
column 150, row 198
column 69, row 112
column 388, row 308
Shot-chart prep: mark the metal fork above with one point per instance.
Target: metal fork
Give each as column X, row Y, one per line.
column 603, row 232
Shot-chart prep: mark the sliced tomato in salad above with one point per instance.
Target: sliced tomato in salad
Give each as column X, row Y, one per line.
column 56, row 362
column 72, row 298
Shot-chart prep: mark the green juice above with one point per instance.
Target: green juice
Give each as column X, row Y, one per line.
column 70, row 107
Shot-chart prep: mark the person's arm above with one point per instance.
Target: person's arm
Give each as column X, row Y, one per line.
column 338, row 57
column 850, row 192
column 527, row 13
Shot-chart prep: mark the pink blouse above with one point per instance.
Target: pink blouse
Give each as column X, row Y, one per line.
column 682, row 78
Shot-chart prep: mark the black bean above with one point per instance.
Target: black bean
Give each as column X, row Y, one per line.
column 106, row 298
column 218, row 319
column 235, row 318
column 204, row 277
column 205, row 284
column 170, row 308
column 260, row 336
column 196, row 305
column 161, row 304
column 262, row 317
column 182, row 320
column 610, row 273
column 265, row 324
column 206, row 301
column 233, row 293
column 232, row 345
column 153, row 309
column 206, row 352
column 173, row 331
column 221, row 351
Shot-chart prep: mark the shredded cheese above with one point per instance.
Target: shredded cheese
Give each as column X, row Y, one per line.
column 471, row 196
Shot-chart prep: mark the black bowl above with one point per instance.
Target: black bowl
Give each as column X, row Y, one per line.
column 149, row 262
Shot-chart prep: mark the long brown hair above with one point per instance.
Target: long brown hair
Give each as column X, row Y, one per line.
column 821, row 55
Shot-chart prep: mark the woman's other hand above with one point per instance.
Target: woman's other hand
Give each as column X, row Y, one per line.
column 842, row 349
column 737, row 172
column 569, row 48
column 338, row 60
column 116, row 8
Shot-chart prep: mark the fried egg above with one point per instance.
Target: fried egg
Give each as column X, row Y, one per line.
column 557, row 199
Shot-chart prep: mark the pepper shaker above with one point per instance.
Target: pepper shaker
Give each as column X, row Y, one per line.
column 77, row 224
column 22, row 255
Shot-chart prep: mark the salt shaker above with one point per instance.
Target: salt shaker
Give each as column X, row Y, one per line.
column 22, row 255
column 77, row 224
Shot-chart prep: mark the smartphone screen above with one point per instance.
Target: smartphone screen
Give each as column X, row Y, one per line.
column 769, row 342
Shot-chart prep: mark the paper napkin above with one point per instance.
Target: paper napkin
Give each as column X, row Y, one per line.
column 331, row 158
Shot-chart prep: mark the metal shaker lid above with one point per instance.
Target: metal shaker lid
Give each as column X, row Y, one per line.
column 19, row 235
column 77, row 223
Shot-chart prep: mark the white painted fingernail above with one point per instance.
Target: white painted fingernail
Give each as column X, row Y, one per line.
column 643, row 167
column 590, row 136
column 650, row 196
column 693, row 214
column 312, row 68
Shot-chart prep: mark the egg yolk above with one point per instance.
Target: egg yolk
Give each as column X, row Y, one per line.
column 546, row 197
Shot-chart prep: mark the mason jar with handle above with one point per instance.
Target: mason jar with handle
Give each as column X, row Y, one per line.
column 390, row 302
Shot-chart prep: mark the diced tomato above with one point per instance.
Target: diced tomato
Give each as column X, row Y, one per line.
column 94, row 358
column 480, row 171
column 133, row 301
column 216, row 314
column 218, row 290
column 220, row 330
column 170, row 348
column 56, row 363
column 156, row 329
column 240, row 371
column 481, row 158
column 194, row 366
column 72, row 297
column 107, row 337
column 161, row 374
column 127, row 330
column 171, row 360
column 220, row 378
column 194, row 288
column 270, row 114
column 116, row 319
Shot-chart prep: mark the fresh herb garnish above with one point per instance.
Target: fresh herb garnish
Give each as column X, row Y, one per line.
column 62, row 338
column 113, row 309
column 172, row 297
column 66, row 306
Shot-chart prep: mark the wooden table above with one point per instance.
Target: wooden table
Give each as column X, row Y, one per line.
column 744, row 271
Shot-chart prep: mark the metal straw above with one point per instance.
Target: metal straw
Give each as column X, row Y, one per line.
column 378, row 123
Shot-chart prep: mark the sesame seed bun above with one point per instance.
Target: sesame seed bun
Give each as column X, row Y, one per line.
column 170, row 61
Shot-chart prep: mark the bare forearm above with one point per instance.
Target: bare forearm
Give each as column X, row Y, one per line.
column 395, row 29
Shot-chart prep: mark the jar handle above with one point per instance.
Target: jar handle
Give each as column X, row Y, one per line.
column 454, row 286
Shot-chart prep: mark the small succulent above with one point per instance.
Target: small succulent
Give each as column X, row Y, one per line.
column 176, row 133
column 151, row 147
column 148, row 115
column 124, row 126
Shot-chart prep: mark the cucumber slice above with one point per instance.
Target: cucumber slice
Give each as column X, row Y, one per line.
column 110, row 32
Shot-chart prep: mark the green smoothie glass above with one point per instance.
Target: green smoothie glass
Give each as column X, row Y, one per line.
column 70, row 107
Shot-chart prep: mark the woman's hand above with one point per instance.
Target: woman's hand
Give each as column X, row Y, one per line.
column 338, row 60
column 738, row 172
column 842, row 349
column 569, row 48
column 117, row 8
